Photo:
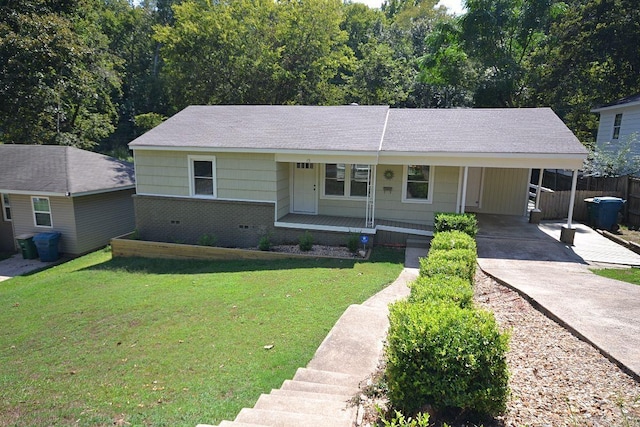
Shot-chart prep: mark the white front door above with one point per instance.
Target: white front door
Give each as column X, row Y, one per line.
column 474, row 190
column 304, row 188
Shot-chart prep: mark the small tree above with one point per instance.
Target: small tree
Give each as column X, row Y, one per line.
column 614, row 159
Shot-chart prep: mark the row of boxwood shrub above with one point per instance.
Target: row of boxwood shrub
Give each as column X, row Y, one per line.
column 443, row 352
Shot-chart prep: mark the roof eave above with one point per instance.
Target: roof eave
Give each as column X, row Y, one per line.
column 615, row 107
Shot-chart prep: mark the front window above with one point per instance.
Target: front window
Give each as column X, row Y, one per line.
column 6, row 207
column 417, row 186
column 41, row 211
column 616, row 126
column 346, row 180
column 203, row 176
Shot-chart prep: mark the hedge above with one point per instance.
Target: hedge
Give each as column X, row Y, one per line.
column 452, row 240
column 466, row 222
column 455, row 262
column 441, row 288
column 447, row 357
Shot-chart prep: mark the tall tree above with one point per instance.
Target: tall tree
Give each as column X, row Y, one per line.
column 57, row 77
column 591, row 56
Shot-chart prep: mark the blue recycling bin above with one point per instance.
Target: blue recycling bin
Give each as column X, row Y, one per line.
column 604, row 212
column 47, row 245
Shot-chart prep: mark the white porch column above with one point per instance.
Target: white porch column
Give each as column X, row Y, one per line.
column 464, row 189
column 538, row 191
column 574, row 183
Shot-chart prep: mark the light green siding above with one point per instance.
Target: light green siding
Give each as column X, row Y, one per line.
column 62, row 216
column 246, row 176
column 343, row 207
column 239, row 176
column 505, row 191
column 389, row 203
column 101, row 217
column 283, row 171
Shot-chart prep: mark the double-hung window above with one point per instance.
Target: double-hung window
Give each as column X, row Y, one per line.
column 417, row 183
column 616, row 126
column 6, row 207
column 202, row 176
column 41, row 212
column 346, row 180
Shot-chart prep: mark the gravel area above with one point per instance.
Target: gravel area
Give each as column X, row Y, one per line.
column 317, row 250
column 556, row 379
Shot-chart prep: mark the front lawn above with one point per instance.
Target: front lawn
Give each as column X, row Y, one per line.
column 101, row 341
column 630, row 275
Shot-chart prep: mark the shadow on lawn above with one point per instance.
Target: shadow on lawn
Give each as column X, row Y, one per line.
column 171, row 266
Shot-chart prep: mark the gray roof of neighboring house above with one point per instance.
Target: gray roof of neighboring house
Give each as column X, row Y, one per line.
column 362, row 128
column 490, row 131
column 627, row 101
column 61, row 170
column 271, row 127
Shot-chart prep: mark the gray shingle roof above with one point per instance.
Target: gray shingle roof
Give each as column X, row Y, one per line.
column 361, row 128
column 61, row 170
column 490, row 131
column 271, row 127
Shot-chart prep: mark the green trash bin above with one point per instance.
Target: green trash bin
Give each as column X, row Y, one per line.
column 28, row 248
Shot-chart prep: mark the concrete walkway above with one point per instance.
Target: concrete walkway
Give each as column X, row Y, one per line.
column 320, row 395
column 16, row 266
column 556, row 279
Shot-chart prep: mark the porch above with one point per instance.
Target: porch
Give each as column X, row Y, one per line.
column 350, row 224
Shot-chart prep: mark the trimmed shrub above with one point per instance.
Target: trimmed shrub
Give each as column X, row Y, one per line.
column 456, row 262
column 264, row 244
column 455, row 239
column 353, row 243
column 305, row 242
column 441, row 288
column 467, row 223
column 447, row 357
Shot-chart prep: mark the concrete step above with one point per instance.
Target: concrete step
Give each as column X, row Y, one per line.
column 326, row 377
column 290, row 419
column 416, row 242
column 310, row 395
column 347, row 392
column 301, row 405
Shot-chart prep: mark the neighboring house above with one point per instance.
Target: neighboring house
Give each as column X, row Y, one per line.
column 85, row 196
column 240, row 172
column 619, row 121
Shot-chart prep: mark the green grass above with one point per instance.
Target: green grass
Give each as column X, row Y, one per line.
column 100, row 341
column 630, row 275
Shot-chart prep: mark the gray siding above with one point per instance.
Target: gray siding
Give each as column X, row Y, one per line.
column 630, row 125
column 62, row 216
column 101, row 217
column 505, row 191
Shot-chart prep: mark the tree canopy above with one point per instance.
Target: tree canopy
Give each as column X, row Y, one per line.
column 96, row 73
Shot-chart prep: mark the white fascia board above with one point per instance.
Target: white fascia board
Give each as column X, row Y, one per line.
column 54, row 194
column 535, row 161
column 369, row 158
column 615, row 107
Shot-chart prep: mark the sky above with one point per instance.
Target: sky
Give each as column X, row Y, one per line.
column 454, row 6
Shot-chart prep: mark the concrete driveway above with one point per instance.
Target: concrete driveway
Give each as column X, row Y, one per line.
column 557, row 279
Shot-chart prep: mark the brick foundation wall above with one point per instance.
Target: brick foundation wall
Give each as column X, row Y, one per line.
column 233, row 223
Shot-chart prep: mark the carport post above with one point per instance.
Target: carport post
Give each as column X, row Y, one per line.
column 568, row 232
column 464, row 188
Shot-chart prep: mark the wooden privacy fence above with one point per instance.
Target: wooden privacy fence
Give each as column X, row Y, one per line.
column 555, row 205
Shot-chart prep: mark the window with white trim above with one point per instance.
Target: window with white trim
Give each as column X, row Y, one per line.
column 41, row 212
column 346, row 180
column 616, row 126
column 417, row 183
column 6, row 207
column 202, row 176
